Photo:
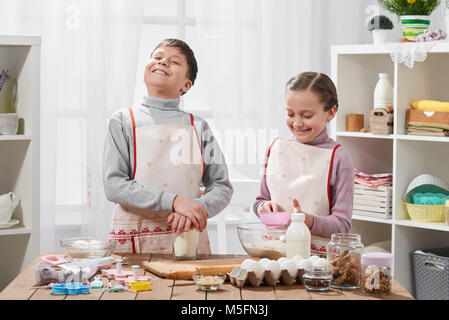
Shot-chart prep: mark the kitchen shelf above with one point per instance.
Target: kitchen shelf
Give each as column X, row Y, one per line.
column 355, row 70
column 371, row 219
column 422, row 138
column 15, row 230
column 20, row 154
column 440, row 226
column 363, row 135
column 14, row 137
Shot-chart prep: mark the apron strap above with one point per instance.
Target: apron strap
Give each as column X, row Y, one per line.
column 133, row 243
column 199, row 143
column 329, row 176
column 266, row 163
column 134, row 144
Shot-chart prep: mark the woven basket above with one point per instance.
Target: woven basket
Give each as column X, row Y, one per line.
column 422, row 213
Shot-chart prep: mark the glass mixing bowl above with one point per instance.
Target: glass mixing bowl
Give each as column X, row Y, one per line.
column 262, row 242
column 88, row 247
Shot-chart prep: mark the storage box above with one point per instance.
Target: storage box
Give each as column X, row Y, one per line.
column 9, row 123
column 430, row 272
column 381, row 121
column 422, row 118
column 372, row 202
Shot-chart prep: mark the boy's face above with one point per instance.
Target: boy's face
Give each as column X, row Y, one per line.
column 166, row 74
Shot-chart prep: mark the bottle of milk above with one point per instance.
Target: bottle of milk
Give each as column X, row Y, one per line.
column 383, row 93
column 297, row 238
column 186, row 245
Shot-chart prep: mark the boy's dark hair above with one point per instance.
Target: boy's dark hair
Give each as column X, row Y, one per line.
column 187, row 51
column 318, row 83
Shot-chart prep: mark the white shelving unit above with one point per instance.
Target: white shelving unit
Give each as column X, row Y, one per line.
column 355, row 70
column 19, row 154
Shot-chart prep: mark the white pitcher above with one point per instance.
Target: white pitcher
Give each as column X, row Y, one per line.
column 8, row 203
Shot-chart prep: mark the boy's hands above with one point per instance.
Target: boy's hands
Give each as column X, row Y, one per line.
column 192, row 211
column 269, row 206
column 180, row 223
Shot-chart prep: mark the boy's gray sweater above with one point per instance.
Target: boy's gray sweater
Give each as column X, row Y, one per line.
column 118, row 159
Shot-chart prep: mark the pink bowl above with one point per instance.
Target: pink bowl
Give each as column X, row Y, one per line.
column 274, row 219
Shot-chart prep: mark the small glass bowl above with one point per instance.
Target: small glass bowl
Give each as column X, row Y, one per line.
column 209, row 282
column 317, row 279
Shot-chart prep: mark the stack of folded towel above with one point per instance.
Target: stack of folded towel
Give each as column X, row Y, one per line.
column 373, row 180
column 428, row 118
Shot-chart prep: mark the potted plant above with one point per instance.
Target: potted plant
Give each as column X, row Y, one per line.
column 380, row 27
column 414, row 15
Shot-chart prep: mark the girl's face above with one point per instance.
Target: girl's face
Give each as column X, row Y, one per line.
column 166, row 74
column 306, row 117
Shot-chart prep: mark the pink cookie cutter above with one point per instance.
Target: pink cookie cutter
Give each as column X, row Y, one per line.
column 117, row 272
column 53, row 260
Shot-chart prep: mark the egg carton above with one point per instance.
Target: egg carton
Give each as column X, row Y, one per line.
column 240, row 276
column 284, row 270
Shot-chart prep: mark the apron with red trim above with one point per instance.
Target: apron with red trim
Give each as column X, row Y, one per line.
column 300, row 171
column 168, row 157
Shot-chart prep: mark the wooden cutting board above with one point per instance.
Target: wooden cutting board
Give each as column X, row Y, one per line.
column 183, row 270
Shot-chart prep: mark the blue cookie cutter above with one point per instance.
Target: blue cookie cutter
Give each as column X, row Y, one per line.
column 70, row 288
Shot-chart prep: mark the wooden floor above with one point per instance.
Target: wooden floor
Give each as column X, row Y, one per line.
column 163, row 289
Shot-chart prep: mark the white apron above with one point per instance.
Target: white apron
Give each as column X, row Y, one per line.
column 168, row 157
column 300, row 171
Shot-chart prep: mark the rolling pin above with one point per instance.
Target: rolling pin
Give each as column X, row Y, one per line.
column 208, row 270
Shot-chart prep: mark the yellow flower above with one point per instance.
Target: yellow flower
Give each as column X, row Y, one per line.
column 411, row 1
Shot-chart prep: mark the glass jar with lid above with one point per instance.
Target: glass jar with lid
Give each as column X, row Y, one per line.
column 377, row 275
column 317, row 278
column 344, row 253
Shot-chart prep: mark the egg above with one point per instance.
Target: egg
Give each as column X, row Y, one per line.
column 246, row 262
column 306, row 263
column 291, row 267
column 320, row 263
column 297, row 259
column 314, row 259
column 258, row 269
column 82, row 244
column 275, row 267
column 263, row 262
column 255, row 266
column 282, row 259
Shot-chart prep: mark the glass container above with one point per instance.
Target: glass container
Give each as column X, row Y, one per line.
column 377, row 273
column 344, row 253
column 317, row 279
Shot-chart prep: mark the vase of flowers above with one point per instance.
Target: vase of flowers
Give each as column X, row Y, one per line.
column 413, row 14
column 380, row 27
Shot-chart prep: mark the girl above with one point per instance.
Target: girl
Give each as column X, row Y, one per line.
column 157, row 191
column 308, row 172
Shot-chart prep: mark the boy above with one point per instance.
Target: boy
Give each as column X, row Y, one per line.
column 156, row 192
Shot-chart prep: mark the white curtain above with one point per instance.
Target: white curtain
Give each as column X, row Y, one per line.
column 250, row 48
column 89, row 58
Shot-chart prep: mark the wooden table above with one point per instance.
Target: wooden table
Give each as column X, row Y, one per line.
column 164, row 289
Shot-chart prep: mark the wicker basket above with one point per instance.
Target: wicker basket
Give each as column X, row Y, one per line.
column 422, row 213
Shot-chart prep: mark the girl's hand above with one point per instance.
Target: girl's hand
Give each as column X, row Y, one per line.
column 269, row 206
column 296, row 206
column 308, row 217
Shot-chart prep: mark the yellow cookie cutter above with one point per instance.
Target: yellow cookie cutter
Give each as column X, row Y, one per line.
column 140, row 285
